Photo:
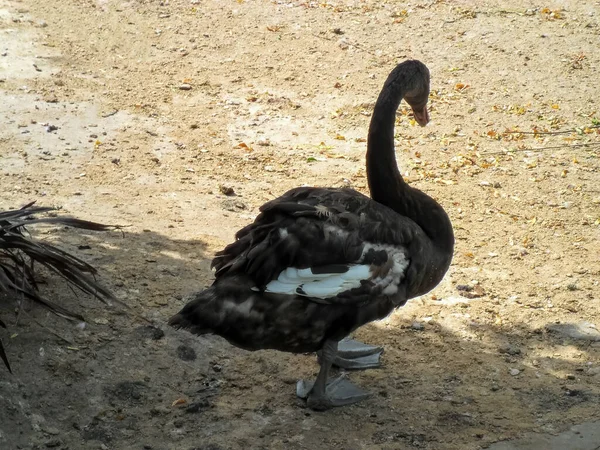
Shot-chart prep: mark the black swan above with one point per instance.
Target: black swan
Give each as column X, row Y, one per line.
column 317, row 263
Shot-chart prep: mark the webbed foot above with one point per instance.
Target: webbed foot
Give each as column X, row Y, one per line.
column 338, row 392
column 354, row 355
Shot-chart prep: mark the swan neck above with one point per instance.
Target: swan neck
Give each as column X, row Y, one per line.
column 385, row 181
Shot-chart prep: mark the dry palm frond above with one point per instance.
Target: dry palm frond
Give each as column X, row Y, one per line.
column 19, row 252
column 2, row 352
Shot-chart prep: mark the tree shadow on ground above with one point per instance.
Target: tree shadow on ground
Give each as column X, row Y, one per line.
column 126, row 380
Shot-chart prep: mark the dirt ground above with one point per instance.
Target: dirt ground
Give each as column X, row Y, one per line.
column 162, row 107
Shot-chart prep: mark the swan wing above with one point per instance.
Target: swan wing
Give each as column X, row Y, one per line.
column 328, row 245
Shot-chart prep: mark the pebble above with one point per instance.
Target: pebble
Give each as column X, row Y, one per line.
column 417, row 326
column 594, row 370
column 226, row 190
column 510, row 349
column 51, row 430
column 233, row 205
column 583, row 330
column 185, row 87
column 514, row 372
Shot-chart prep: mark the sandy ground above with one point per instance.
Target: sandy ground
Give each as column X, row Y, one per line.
column 161, row 106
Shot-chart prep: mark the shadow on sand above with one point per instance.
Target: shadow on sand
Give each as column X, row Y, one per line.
column 128, row 381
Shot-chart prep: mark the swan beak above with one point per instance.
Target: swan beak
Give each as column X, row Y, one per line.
column 421, row 116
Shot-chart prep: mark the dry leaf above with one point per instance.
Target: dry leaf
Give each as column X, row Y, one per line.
column 179, row 401
column 245, row 146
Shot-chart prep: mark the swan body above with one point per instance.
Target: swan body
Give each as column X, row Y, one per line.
column 317, row 263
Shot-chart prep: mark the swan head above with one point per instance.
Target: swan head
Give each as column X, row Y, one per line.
column 421, row 114
column 418, row 93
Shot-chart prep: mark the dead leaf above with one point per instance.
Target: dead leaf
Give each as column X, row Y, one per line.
column 245, row 146
column 179, row 401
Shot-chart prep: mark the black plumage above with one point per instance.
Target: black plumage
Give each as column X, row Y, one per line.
column 392, row 247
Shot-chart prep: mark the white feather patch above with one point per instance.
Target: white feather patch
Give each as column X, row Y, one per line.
column 294, row 281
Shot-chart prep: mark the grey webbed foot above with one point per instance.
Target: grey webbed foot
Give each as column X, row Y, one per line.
column 338, row 392
column 354, row 355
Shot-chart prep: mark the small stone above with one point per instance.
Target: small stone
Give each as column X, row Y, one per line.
column 514, row 372
column 51, row 128
column 510, row 349
column 54, row 442
column 51, row 430
column 185, row 87
column 583, row 330
column 226, row 190
column 217, row 368
column 233, row 205
column 594, row 370
column 417, row 326
column 574, row 391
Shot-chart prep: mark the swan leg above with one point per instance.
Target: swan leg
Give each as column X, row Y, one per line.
column 324, row 394
column 354, row 355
